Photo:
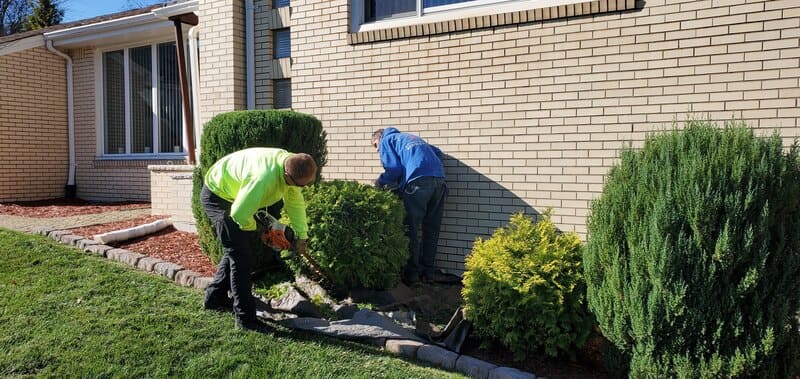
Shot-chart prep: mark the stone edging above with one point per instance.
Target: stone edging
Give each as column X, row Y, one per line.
column 428, row 353
column 174, row 272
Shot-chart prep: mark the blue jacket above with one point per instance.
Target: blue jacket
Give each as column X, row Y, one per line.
column 406, row 157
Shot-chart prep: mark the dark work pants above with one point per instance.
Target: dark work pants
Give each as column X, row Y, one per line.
column 424, row 202
column 233, row 271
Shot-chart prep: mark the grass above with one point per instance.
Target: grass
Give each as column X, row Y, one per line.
column 67, row 314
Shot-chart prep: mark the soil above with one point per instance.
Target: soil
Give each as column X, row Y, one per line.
column 183, row 248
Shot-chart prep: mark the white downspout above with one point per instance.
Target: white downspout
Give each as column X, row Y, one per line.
column 70, row 114
column 194, row 62
column 250, row 54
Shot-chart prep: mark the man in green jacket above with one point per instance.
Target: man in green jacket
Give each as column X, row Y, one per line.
column 236, row 186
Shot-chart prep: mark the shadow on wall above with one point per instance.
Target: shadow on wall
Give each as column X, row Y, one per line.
column 476, row 205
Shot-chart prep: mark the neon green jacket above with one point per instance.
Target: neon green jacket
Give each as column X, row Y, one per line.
column 253, row 178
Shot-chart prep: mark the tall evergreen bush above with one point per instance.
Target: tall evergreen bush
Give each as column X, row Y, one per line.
column 693, row 255
column 233, row 131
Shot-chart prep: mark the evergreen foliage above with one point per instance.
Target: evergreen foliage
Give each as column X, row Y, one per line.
column 234, row 131
column 524, row 287
column 356, row 233
column 693, row 255
column 46, row 13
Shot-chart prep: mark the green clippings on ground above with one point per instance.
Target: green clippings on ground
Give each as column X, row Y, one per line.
column 66, row 314
column 273, row 284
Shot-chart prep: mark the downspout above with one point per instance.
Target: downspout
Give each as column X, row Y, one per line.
column 69, row 189
column 250, row 54
column 194, row 62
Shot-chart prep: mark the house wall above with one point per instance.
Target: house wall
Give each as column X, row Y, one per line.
column 97, row 179
column 533, row 114
column 33, row 125
column 223, row 82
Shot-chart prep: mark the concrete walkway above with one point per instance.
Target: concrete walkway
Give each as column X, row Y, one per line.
column 28, row 224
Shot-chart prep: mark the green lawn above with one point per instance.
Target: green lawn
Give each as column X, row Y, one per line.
column 67, row 314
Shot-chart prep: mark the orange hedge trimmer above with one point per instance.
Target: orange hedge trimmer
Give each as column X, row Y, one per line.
column 278, row 237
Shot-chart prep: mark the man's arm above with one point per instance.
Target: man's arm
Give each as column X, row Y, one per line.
column 296, row 209
column 393, row 168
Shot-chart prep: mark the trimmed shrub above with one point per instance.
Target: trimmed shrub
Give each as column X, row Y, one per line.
column 524, row 287
column 233, row 131
column 693, row 255
column 355, row 233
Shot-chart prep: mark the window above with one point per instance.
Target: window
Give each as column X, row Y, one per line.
column 376, row 10
column 282, row 43
column 394, row 13
column 142, row 111
column 280, row 3
column 282, row 93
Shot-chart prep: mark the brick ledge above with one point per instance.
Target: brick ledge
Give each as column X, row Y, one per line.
column 479, row 22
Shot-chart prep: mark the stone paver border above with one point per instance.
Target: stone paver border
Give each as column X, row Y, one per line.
column 430, row 354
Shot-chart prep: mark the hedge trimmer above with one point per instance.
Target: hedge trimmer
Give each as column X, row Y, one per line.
column 279, row 237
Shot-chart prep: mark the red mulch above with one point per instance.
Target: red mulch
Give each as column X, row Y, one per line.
column 64, row 207
column 168, row 244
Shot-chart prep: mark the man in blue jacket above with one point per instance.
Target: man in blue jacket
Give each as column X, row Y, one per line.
column 412, row 169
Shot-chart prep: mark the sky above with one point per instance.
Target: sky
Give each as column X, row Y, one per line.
column 82, row 9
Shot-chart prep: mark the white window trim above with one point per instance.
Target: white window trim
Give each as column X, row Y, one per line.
column 449, row 12
column 100, row 101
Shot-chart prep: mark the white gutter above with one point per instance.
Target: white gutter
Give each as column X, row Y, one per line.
column 195, row 78
column 85, row 33
column 70, row 113
column 250, row 54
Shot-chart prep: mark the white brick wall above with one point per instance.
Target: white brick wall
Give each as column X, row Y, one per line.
column 534, row 113
column 171, row 191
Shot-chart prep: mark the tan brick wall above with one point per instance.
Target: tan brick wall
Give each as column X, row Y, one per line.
column 533, row 114
column 222, row 59
column 267, row 19
column 33, row 125
column 97, row 179
column 171, row 192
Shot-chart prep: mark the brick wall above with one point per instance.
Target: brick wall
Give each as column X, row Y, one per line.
column 222, row 59
column 33, row 125
column 97, row 179
column 267, row 19
column 534, row 113
column 171, row 191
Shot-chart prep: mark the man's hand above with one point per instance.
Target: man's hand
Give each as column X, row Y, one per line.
column 301, row 246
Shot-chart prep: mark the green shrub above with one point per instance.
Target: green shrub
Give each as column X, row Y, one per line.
column 693, row 255
column 356, row 233
column 233, row 131
column 524, row 287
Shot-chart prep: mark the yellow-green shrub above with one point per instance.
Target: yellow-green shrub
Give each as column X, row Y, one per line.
column 524, row 287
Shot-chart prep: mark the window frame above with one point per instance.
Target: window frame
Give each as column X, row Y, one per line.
column 447, row 12
column 99, row 82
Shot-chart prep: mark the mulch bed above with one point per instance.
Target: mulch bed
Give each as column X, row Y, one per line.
column 64, row 207
column 168, row 244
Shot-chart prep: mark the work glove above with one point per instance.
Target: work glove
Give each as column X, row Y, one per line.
column 301, row 246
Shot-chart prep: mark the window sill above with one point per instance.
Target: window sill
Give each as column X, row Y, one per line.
column 140, row 157
column 137, row 161
column 416, row 27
